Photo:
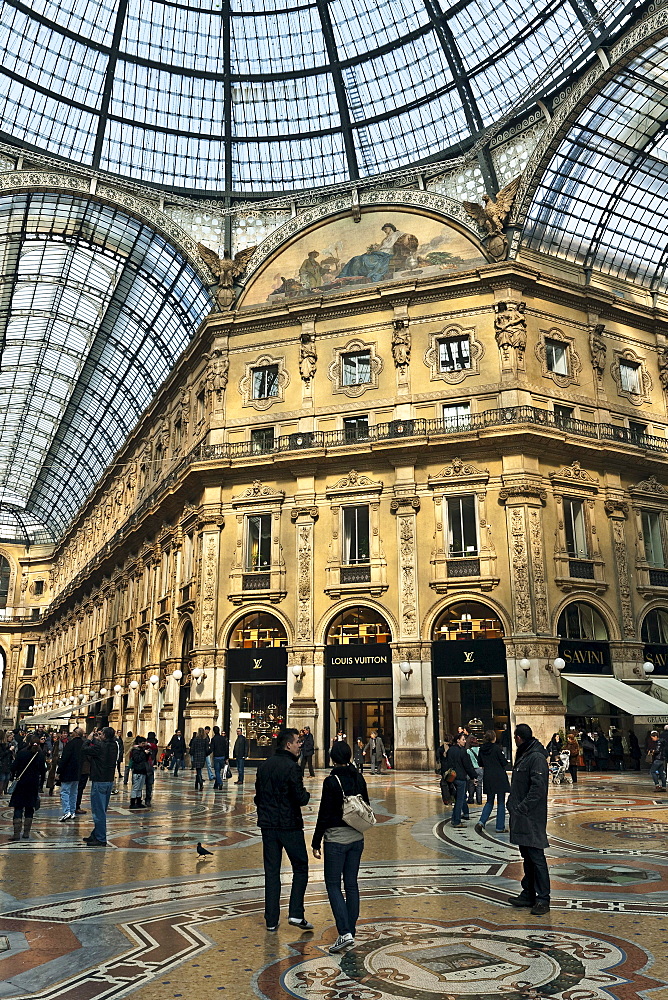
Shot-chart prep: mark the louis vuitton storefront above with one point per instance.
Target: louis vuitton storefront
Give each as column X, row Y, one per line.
column 469, row 672
column 256, row 690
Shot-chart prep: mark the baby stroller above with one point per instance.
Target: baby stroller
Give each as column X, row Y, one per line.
column 559, row 768
column 165, row 759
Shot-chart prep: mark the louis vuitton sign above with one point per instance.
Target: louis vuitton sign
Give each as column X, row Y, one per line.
column 251, row 666
column 468, row 658
column 372, row 659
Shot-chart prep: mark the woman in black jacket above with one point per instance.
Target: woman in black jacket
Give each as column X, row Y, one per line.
column 493, row 762
column 343, row 844
column 199, row 751
column 458, row 760
column 30, row 769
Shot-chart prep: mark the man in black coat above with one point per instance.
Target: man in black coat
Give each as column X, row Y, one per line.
column 240, row 752
column 527, row 805
column 102, row 751
column 177, row 745
column 279, row 796
column 69, row 772
column 307, row 751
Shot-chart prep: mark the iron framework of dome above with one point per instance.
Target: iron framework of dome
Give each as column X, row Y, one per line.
column 243, row 96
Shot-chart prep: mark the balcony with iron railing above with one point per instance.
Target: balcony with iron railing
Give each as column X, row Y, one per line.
column 417, row 431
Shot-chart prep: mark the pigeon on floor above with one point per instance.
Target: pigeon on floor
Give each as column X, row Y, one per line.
column 202, row 851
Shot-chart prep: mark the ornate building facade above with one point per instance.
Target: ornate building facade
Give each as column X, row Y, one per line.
column 370, row 499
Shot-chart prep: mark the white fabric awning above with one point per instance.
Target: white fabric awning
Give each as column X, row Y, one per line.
column 624, row 696
column 59, row 715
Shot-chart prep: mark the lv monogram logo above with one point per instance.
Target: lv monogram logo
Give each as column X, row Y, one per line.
column 468, row 657
column 257, row 664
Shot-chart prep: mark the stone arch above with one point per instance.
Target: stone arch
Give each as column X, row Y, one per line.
column 437, row 609
column 350, row 602
column 606, row 614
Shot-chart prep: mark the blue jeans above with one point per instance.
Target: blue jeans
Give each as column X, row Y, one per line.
column 179, row 762
column 100, row 793
column 240, row 768
column 658, row 772
column 209, row 769
column 68, row 796
column 343, row 861
column 217, row 766
column 461, row 809
column 500, row 809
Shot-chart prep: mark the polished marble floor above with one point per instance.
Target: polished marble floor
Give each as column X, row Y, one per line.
column 146, row 918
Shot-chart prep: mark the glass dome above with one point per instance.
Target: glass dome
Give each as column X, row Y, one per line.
column 249, row 96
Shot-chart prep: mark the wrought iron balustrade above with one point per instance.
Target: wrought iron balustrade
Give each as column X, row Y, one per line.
column 581, row 569
column 355, row 574
column 658, row 577
column 256, row 581
column 463, row 567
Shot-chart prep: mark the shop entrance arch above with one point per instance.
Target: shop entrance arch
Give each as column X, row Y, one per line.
column 470, row 681
column 256, row 688
column 358, row 677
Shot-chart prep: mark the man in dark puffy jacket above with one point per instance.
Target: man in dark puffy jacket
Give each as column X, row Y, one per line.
column 102, row 751
column 279, row 796
column 69, row 771
column 527, row 806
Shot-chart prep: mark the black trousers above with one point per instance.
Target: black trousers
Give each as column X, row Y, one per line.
column 273, row 843
column 536, row 881
column 307, row 761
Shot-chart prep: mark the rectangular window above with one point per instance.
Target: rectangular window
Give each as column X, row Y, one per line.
column 200, row 407
column 629, row 376
column 30, row 659
column 258, row 542
column 355, row 535
column 356, row 428
column 457, row 416
column 356, row 368
column 563, row 416
column 39, row 588
column 637, row 431
column 462, row 528
column 265, row 382
column 576, row 532
column 653, row 537
column 262, row 440
column 556, row 357
column 454, row 354
column 187, row 566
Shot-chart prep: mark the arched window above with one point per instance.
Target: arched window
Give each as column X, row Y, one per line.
column 581, row 621
column 358, row 626
column 467, row 620
column 655, row 627
column 26, row 698
column 258, row 630
column 5, row 573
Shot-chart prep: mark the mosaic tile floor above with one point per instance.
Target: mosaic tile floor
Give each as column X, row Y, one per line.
column 146, row 918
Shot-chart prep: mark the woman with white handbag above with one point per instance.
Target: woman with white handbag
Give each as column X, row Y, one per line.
column 343, row 816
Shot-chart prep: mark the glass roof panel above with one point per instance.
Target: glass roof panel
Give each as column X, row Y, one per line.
column 601, row 201
column 170, row 91
column 99, row 308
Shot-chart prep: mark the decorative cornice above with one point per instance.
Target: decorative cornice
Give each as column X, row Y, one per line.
column 258, row 492
column 616, row 509
column 298, row 512
column 522, row 491
column 354, row 481
column 402, row 504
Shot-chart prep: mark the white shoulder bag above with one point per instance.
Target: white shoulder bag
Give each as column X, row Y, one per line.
column 356, row 812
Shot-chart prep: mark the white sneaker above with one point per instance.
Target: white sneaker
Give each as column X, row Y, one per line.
column 300, row 922
column 343, row 941
column 64, row 817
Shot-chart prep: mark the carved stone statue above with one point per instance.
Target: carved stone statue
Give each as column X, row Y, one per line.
column 308, row 358
column 217, row 373
column 401, row 345
column 510, row 327
column 663, row 366
column 226, row 271
column 493, row 215
column 597, row 349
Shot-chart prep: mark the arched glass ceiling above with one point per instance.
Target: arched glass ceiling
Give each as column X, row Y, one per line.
column 602, row 200
column 94, row 309
column 253, row 95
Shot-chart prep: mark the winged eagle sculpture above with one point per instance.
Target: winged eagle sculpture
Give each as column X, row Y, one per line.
column 226, row 270
column 493, row 215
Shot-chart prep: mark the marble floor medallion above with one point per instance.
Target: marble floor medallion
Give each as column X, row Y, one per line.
column 420, row 960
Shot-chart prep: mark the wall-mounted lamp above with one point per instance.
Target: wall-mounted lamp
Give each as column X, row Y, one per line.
column 405, row 668
column 103, row 691
column 558, row 665
column 117, row 688
column 525, row 665
column 648, row 667
column 297, row 671
column 177, row 675
column 197, row 673
column 154, row 679
column 133, row 685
